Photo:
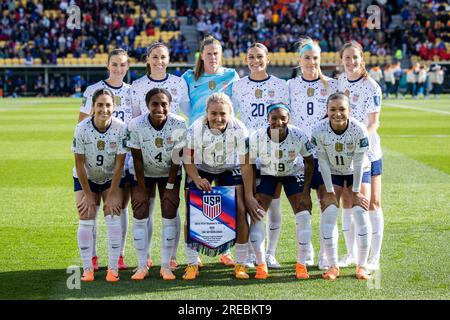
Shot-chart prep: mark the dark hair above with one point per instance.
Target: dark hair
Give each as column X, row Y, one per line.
column 155, row 91
column 338, row 96
column 100, row 92
column 150, row 48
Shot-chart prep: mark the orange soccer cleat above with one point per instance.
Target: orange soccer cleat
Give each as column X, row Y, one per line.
column 112, row 276
column 167, row 274
column 261, row 271
column 301, row 272
column 140, row 274
column 240, row 272
column 191, row 272
column 362, row 273
column 227, row 259
column 88, row 275
column 331, row 274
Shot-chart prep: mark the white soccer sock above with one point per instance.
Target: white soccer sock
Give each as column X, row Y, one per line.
column 348, row 230
column 241, row 252
column 257, row 235
column 363, row 234
column 168, row 235
column 377, row 222
column 95, row 233
column 85, row 242
column 124, row 223
column 329, row 234
column 140, row 240
column 274, row 226
column 151, row 208
column 114, row 227
column 177, row 236
column 191, row 255
column 303, row 232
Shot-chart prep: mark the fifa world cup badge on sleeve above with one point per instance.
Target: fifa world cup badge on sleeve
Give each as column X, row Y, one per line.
column 212, row 220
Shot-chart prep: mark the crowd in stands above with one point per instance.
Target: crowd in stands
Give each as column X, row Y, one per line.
column 279, row 24
column 38, row 29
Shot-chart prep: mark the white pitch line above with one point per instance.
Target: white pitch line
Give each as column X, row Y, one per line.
column 390, row 104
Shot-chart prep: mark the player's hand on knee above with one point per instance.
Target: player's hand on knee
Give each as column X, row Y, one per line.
column 305, row 201
column 113, row 205
column 361, row 200
column 203, row 184
column 254, row 209
column 139, row 198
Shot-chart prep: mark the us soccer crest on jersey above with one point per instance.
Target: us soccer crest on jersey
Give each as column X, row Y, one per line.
column 365, row 98
column 252, row 99
column 280, row 159
column 99, row 148
column 308, row 101
column 212, row 220
column 341, row 148
column 122, row 100
column 176, row 86
column 156, row 145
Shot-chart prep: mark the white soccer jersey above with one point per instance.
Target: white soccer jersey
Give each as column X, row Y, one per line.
column 175, row 85
column 99, row 148
column 341, row 148
column 156, row 145
column 122, row 100
column 217, row 153
column 308, row 101
column 365, row 98
column 280, row 159
column 251, row 99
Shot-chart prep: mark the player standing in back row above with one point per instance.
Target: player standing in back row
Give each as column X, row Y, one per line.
column 365, row 103
column 157, row 60
column 117, row 65
column 207, row 78
column 308, row 94
column 252, row 96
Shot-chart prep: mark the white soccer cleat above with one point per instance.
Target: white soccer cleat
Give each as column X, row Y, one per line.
column 322, row 263
column 310, row 256
column 346, row 261
column 250, row 263
column 272, row 263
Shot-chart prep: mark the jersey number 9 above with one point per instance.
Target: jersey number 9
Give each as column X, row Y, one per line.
column 99, row 160
column 279, row 167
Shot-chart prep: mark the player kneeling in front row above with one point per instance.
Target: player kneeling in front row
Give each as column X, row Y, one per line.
column 156, row 140
column 281, row 149
column 99, row 147
column 342, row 144
column 215, row 149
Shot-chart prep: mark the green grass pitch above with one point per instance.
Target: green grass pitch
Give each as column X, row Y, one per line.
column 38, row 221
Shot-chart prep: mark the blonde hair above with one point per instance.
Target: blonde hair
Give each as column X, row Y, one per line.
column 199, row 65
column 357, row 46
column 219, row 98
column 152, row 47
column 302, row 43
